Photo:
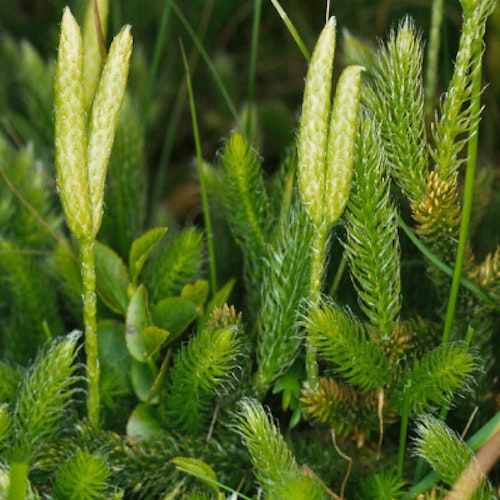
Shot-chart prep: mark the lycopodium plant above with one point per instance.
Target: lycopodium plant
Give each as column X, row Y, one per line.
column 324, row 330
column 83, row 147
column 325, row 152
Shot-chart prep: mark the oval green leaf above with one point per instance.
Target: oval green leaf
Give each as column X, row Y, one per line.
column 196, row 293
column 142, row 381
column 144, row 423
column 153, row 338
column 174, row 314
column 141, row 249
column 114, row 357
column 112, row 278
column 137, row 320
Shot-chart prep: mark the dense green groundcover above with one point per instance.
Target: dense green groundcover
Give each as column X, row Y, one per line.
column 249, row 249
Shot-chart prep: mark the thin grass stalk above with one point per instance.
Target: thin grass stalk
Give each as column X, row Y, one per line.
column 472, row 287
column 470, row 172
column 157, row 53
column 338, row 276
column 173, row 123
column 201, row 175
column 253, row 63
column 431, row 74
column 215, row 75
column 175, row 116
column 292, row 30
column 87, row 268
column 405, row 418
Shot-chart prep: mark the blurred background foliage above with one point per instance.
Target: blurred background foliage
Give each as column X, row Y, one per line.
column 224, row 27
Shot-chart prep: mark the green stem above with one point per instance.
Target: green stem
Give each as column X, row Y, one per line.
column 338, row 276
column 253, row 64
column 318, row 252
column 17, row 480
column 174, row 119
column 203, row 184
column 431, row 73
column 405, row 418
column 87, row 270
column 470, row 173
column 158, row 49
column 215, row 75
column 291, row 28
column 444, row 268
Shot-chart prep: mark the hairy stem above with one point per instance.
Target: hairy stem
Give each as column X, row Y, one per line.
column 87, row 270
column 318, row 249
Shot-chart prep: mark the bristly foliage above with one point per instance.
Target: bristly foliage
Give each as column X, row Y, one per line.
column 27, row 179
column 29, row 95
column 10, row 375
column 396, row 98
column 340, row 338
column 45, row 393
column 62, row 266
column 438, row 224
column 352, row 413
column 487, row 274
column 277, row 469
column 132, row 459
column 207, row 365
column 434, row 378
column 245, row 196
column 447, row 454
column 82, row 476
column 451, row 131
column 129, row 460
column 32, row 303
column 247, row 208
column 5, row 424
column 372, row 242
column 178, row 261
column 283, row 290
column 478, row 313
column 27, row 296
column 383, row 486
